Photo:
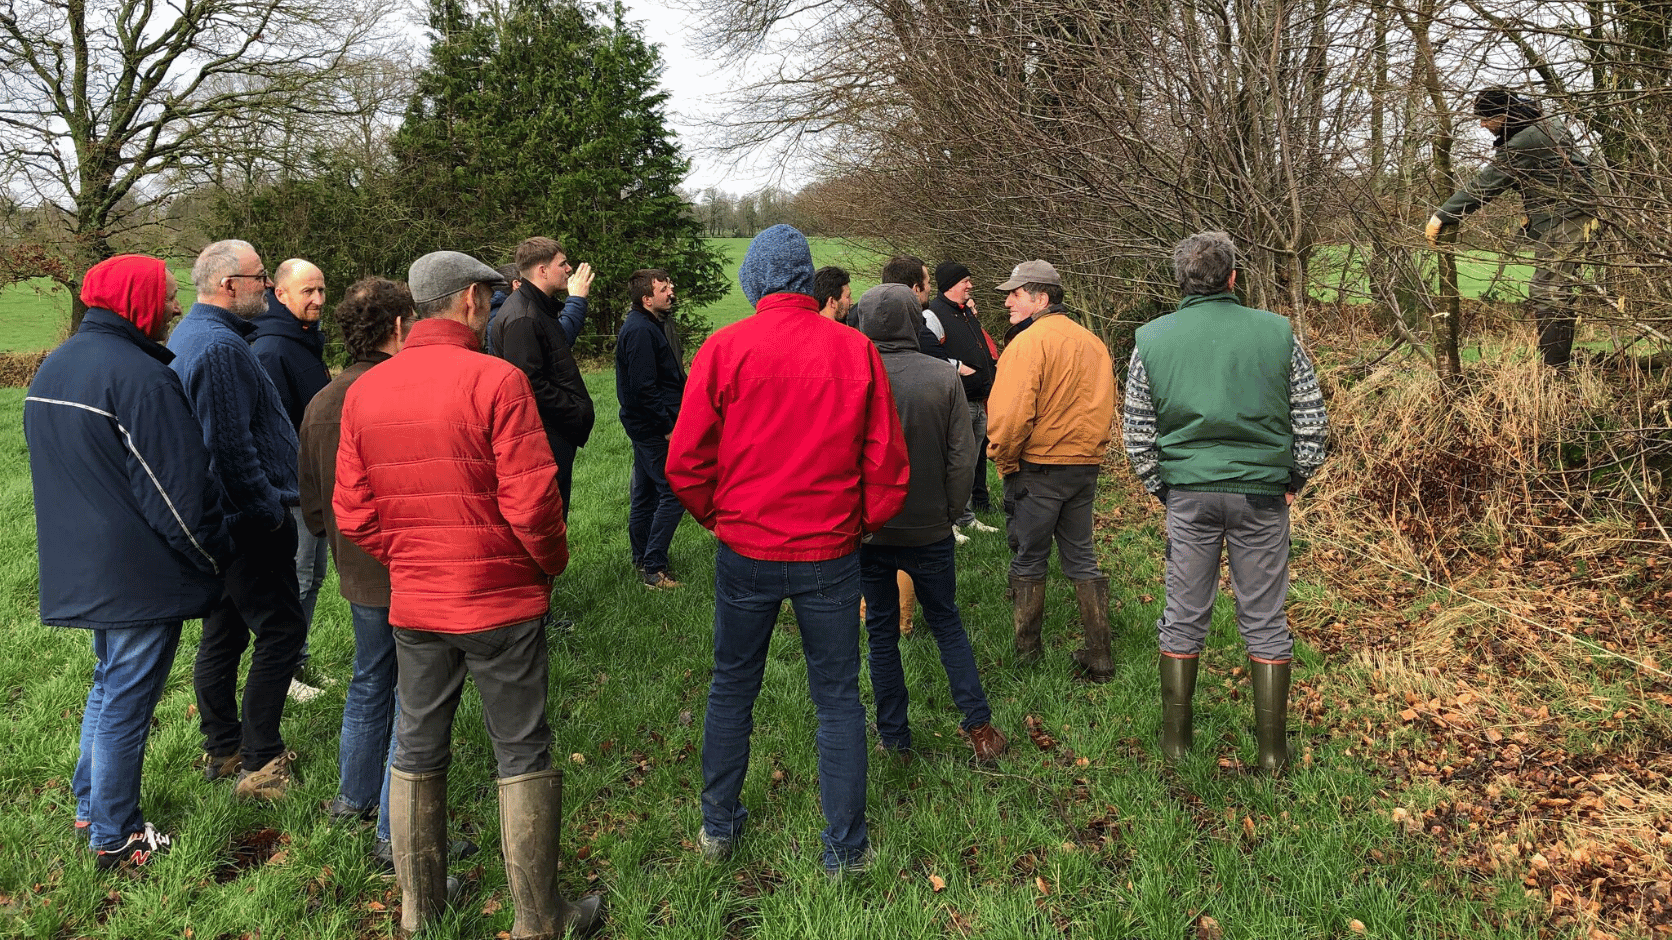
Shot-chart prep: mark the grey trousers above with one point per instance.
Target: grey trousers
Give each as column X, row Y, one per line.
column 1046, row 500
column 978, row 424
column 510, row 669
column 1255, row 529
column 1557, row 256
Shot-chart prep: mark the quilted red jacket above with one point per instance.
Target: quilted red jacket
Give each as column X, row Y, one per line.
column 788, row 446
column 444, row 475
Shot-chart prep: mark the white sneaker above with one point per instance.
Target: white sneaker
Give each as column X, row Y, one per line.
column 302, row 692
column 958, row 537
column 980, row 526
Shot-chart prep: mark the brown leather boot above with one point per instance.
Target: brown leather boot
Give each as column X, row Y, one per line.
column 908, row 600
column 1178, row 688
column 1271, row 714
column 530, row 812
column 988, row 741
column 418, row 829
column 1028, row 595
column 1093, row 658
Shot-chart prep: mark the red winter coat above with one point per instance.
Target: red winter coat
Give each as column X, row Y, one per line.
column 788, row 446
column 445, row 476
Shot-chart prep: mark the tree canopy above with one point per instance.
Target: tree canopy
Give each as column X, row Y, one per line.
column 542, row 117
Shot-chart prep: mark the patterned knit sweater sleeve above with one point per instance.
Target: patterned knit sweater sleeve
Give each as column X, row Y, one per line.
column 218, row 387
column 1307, row 418
column 1138, row 427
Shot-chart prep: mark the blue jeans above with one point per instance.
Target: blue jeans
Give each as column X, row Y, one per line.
column 935, row 576
column 825, row 595
column 312, row 564
column 128, row 680
column 653, row 511
column 368, row 711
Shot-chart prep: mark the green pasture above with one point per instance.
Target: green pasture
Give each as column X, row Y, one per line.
column 1086, row 835
column 34, row 314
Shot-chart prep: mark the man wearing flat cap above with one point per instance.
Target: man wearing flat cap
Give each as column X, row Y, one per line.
column 1048, row 425
column 1536, row 156
column 445, row 476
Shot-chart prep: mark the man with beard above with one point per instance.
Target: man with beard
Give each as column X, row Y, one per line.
column 649, row 382
column 252, row 445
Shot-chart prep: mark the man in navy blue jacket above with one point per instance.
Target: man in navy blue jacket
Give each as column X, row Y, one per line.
column 290, row 345
column 252, row 445
column 649, row 383
column 129, row 530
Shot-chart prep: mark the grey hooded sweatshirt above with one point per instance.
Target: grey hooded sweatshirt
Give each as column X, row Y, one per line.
column 934, row 414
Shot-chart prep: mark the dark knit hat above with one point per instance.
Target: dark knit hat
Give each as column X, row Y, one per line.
column 1492, row 102
column 779, row 261
column 948, row 274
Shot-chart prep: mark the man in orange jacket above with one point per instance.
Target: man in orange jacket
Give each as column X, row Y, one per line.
column 1048, row 422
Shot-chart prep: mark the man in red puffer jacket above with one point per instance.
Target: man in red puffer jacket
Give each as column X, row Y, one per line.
column 789, row 452
column 444, row 475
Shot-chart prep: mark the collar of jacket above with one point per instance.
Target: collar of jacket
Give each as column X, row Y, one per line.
column 374, row 357
column 100, row 320
column 1052, row 310
column 637, row 307
column 541, row 300
column 279, row 321
column 1195, row 299
column 222, row 316
column 785, row 304
column 440, row 331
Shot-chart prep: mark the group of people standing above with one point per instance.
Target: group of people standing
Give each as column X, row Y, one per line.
column 829, row 454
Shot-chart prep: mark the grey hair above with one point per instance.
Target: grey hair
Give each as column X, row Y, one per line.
column 1203, row 263
column 217, row 261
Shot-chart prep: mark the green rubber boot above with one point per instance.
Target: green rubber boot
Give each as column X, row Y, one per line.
column 1271, row 714
column 1178, row 688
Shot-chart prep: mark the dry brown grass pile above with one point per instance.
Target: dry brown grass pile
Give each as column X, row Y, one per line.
column 1498, row 597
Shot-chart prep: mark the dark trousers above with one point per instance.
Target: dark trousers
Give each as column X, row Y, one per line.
column 1042, row 501
column 564, row 453
column 979, row 497
column 934, row 574
column 653, row 512
column 508, row 665
column 260, row 600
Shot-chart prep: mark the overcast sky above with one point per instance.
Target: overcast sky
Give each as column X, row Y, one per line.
column 696, row 92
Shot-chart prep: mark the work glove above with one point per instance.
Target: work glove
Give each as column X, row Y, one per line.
column 1432, row 230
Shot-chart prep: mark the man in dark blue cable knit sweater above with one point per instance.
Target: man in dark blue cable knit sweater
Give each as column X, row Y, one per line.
column 252, row 447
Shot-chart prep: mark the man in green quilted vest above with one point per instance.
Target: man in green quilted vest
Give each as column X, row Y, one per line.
column 1224, row 423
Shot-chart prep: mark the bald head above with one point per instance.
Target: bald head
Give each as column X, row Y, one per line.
column 300, row 286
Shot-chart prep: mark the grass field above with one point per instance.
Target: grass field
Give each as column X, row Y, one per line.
column 35, row 314
column 1093, row 837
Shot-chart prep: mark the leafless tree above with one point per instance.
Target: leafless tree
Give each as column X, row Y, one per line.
column 104, row 99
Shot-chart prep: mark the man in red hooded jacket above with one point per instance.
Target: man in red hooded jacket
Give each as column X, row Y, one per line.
column 445, row 476
column 788, row 447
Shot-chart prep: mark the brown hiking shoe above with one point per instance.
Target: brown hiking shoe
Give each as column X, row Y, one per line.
column 271, row 782
column 219, row 766
column 988, row 741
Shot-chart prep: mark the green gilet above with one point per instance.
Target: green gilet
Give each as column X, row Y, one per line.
column 1219, row 378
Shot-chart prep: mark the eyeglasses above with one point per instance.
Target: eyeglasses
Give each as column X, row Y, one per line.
column 263, row 277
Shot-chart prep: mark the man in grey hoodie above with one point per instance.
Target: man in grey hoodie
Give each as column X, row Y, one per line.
column 942, row 450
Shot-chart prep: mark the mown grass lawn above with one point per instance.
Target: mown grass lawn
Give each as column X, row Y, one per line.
column 1093, row 837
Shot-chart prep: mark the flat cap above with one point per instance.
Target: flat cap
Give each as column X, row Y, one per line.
column 1031, row 272
column 443, row 273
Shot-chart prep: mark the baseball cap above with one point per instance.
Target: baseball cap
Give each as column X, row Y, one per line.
column 1031, row 272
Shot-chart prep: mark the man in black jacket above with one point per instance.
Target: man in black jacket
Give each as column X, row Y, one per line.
column 290, row 345
column 965, row 346
column 529, row 334
column 649, row 383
